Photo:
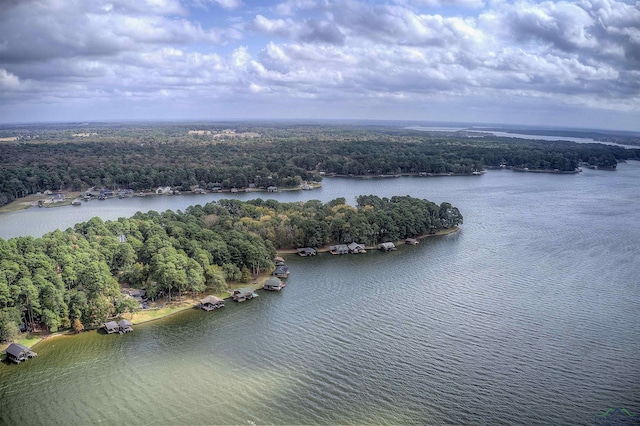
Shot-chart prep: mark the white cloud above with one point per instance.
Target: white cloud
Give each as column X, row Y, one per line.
column 325, row 55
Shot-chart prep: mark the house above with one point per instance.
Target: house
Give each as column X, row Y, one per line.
column 356, row 248
column 242, row 294
column 389, row 246
column 58, row 197
column 18, row 353
column 124, row 326
column 307, row 251
column 339, row 249
column 281, row 271
column 210, row 303
column 272, row 188
column 111, row 327
column 274, row 284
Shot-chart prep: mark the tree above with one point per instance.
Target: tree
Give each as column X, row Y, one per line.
column 77, row 325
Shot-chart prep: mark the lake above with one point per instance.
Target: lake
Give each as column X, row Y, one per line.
column 528, row 314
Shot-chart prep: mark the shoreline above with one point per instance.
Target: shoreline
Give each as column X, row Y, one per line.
column 325, row 249
column 31, row 340
column 150, row 315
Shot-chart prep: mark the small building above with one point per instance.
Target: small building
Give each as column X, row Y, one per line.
column 124, row 326
column 307, row 251
column 339, row 249
column 210, row 303
column 388, row 246
column 242, row 294
column 272, row 189
column 274, row 284
column 281, row 271
column 411, row 241
column 18, row 353
column 58, row 197
column 111, row 327
column 356, row 248
column 278, row 261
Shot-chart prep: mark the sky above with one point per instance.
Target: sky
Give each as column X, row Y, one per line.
column 524, row 62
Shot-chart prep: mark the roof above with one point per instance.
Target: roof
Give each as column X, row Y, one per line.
column 211, row 299
column 355, row 245
column 124, row 323
column 111, row 325
column 16, row 349
column 245, row 290
column 387, row 245
column 273, row 282
column 281, row 269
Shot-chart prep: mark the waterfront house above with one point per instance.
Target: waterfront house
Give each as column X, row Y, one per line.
column 339, row 249
column 111, row 327
column 124, row 326
column 274, row 284
column 58, row 197
column 242, row 294
column 281, row 271
column 307, row 251
column 356, row 248
column 18, row 353
column 210, row 303
column 389, row 246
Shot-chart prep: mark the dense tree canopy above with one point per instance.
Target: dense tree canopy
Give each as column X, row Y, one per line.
column 72, row 278
column 143, row 157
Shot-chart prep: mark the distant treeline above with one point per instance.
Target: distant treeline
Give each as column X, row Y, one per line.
column 72, row 278
column 148, row 156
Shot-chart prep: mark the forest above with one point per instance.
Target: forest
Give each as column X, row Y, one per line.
column 145, row 156
column 71, row 279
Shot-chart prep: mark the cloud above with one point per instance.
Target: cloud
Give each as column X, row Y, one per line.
column 389, row 57
column 308, row 30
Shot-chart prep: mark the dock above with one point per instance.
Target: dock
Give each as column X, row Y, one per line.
column 210, row 303
column 17, row 353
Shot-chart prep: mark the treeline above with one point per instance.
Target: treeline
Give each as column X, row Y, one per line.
column 72, row 278
column 150, row 156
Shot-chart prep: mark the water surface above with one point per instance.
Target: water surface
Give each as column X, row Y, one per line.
column 529, row 314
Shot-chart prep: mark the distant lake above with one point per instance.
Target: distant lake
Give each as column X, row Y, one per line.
column 527, row 315
column 479, row 131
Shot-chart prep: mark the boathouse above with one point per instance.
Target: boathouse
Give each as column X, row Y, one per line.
column 124, row 326
column 356, row 248
column 389, row 246
column 278, row 261
column 307, row 251
column 339, row 249
column 281, row 271
column 274, row 284
column 111, row 327
column 18, row 353
column 210, row 303
column 411, row 241
column 242, row 294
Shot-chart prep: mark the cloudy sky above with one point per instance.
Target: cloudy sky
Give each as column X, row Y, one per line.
column 562, row 63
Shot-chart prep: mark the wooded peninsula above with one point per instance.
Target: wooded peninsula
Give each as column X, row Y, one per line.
column 233, row 155
column 72, row 279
